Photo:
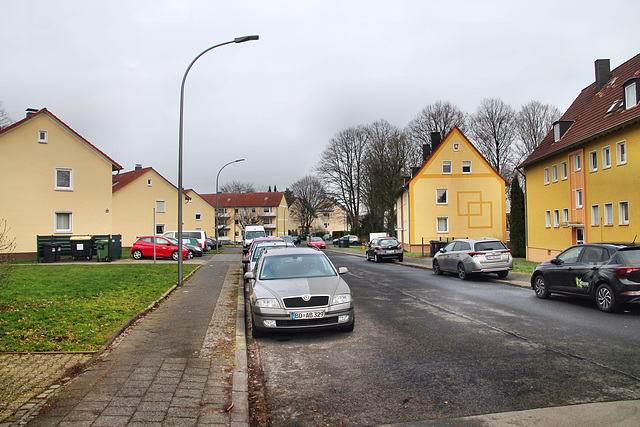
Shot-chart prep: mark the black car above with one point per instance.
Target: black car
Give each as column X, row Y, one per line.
column 384, row 248
column 608, row 273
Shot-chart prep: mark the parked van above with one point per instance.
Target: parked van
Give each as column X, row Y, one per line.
column 200, row 235
column 251, row 231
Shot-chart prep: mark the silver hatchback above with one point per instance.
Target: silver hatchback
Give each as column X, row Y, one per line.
column 470, row 256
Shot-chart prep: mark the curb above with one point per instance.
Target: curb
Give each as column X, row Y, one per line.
column 240, row 387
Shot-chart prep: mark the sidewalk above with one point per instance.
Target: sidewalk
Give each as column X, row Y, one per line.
column 179, row 365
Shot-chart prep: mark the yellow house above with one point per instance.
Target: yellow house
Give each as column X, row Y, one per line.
column 455, row 193
column 582, row 180
column 198, row 214
column 53, row 182
column 330, row 217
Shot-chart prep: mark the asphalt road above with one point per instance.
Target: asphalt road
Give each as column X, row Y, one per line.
column 429, row 347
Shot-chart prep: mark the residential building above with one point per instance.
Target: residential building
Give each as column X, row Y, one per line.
column 236, row 210
column 579, row 179
column 455, row 193
column 53, row 182
column 330, row 217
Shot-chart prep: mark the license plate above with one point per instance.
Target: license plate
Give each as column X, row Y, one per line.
column 307, row 315
column 493, row 257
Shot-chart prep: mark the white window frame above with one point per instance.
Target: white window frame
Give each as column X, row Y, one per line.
column 608, row 214
column 606, row 157
column 623, row 213
column 547, row 219
column 579, row 199
column 565, row 215
column 70, row 187
column 563, row 171
column 556, row 218
column 161, row 206
column 160, row 227
column 556, row 132
column 446, row 194
column 593, row 161
column 456, row 146
column 546, row 176
column 198, row 216
column 43, row 136
column 149, row 183
column 446, row 219
column 577, row 162
column 55, row 222
column 595, row 215
column 554, row 173
column 630, row 98
column 447, row 163
column 621, row 153
column 469, row 165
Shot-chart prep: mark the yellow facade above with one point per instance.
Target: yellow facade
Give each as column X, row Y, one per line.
column 275, row 219
column 603, row 186
column 32, row 200
column 455, row 194
column 197, row 214
column 330, row 217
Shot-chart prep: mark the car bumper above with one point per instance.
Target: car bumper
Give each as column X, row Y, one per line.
column 389, row 253
column 266, row 321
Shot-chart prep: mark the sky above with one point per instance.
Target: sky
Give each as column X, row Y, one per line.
column 112, row 71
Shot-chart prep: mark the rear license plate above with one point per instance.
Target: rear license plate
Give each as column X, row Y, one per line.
column 307, row 315
column 493, row 257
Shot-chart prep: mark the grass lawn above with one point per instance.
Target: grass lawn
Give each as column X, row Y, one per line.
column 76, row 307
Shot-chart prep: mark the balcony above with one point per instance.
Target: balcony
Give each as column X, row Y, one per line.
column 267, row 214
column 269, row 226
column 223, row 215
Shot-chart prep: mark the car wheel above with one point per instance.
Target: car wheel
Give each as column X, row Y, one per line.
column 349, row 328
column 605, row 298
column 436, row 267
column 503, row 274
column 137, row 254
column 400, row 258
column 174, row 255
column 376, row 258
column 540, row 287
column 462, row 273
column 255, row 332
column 190, row 254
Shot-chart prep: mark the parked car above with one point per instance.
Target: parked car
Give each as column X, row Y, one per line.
column 353, row 239
column 606, row 273
column 317, row 242
column 247, row 253
column 288, row 239
column 471, row 256
column 296, row 240
column 326, row 237
column 213, row 243
column 298, row 288
column 384, row 248
column 192, row 246
column 198, row 234
column 257, row 249
column 164, row 248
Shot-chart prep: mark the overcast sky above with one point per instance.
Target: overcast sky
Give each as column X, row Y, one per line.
column 112, row 71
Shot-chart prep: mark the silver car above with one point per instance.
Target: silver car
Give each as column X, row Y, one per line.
column 298, row 289
column 258, row 247
column 471, row 256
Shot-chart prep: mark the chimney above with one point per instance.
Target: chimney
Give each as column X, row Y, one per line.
column 414, row 171
column 138, row 166
column 435, row 141
column 425, row 152
column 31, row 111
column 603, row 73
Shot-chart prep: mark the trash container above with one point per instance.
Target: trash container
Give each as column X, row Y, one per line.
column 58, row 248
column 344, row 242
column 102, row 250
column 49, row 251
column 433, row 248
column 81, row 247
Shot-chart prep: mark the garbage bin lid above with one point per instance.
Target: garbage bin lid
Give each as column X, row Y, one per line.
column 80, row 238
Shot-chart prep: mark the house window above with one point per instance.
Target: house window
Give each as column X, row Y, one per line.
column 579, row 198
column 554, row 173
column 160, row 206
column 267, row 209
column 547, row 219
column 446, row 167
column 556, row 132
column 606, row 157
column 621, row 153
column 198, row 216
column 442, row 224
column 608, row 214
column 253, row 210
column 63, row 222
column 565, row 215
column 595, row 215
column 630, row 96
column 442, row 196
column 236, row 211
column 563, row 170
column 159, row 229
column 556, row 218
column 623, row 212
column 43, row 136
column 456, row 147
column 149, row 183
column 237, row 222
column 546, row 176
column 577, row 162
column 64, row 179
column 466, row 166
column 593, row 161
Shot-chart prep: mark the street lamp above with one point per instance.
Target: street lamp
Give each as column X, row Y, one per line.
column 216, row 215
column 180, row 195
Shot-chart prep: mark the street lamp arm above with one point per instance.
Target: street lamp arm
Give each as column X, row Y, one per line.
column 215, row 222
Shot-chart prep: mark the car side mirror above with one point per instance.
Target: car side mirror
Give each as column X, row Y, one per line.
column 554, row 261
column 343, row 270
column 442, row 250
column 249, row 275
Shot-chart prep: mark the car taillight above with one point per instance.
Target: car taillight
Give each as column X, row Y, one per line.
column 624, row 272
column 379, row 248
column 475, row 253
column 506, row 251
column 400, row 246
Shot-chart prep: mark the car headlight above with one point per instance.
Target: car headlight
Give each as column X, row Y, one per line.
column 341, row 298
column 267, row 303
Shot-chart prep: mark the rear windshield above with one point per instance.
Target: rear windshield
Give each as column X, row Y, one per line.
column 388, row 243
column 250, row 235
column 630, row 256
column 494, row 245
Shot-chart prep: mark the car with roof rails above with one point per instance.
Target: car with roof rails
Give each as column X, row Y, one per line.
column 466, row 257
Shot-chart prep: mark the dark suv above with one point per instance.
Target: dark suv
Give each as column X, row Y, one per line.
column 609, row 273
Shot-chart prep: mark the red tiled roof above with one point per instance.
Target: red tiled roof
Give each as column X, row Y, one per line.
column 114, row 166
column 589, row 113
column 122, row 179
column 234, row 200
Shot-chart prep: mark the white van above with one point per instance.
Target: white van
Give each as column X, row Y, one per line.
column 200, row 235
column 251, row 232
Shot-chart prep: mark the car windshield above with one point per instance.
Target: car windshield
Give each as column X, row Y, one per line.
column 250, row 235
column 387, row 243
column 296, row 266
column 258, row 249
column 316, row 239
column 630, row 256
column 172, row 240
column 494, row 245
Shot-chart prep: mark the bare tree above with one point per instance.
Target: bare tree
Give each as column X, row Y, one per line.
column 534, row 121
column 493, row 127
column 5, row 119
column 310, row 193
column 237, row 187
column 7, row 246
column 341, row 170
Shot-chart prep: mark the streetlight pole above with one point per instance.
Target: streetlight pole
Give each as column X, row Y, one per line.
column 180, row 195
column 216, row 214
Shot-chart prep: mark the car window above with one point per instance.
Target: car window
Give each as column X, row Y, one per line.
column 630, row 256
column 146, row 240
column 296, row 266
column 570, row 256
column 494, row 245
column 258, row 249
column 387, row 243
column 462, row 246
column 594, row 255
column 450, row 246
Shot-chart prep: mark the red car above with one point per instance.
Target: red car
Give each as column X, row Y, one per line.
column 317, row 242
column 166, row 247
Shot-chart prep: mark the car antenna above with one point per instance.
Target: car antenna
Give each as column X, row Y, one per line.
column 634, row 239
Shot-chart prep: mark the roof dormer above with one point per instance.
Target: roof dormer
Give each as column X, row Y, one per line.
column 631, row 88
column 560, row 128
